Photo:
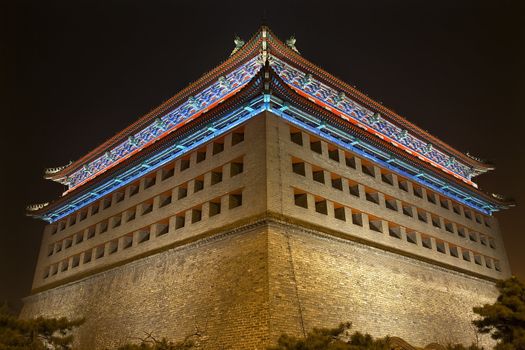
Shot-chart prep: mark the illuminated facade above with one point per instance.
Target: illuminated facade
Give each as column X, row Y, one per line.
column 244, row 199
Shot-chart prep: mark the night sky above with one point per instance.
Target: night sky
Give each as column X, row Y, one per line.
column 73, row 73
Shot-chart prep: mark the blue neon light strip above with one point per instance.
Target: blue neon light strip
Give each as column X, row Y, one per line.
column 373, row 154
column 156, row 161
column 292, row 115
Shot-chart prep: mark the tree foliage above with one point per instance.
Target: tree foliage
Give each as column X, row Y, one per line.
column 35, row 334
column 505, row 319
column 332, row 339
column 150, row 343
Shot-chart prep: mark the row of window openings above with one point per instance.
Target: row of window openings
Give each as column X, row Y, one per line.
column 150, row 180
column 368, row 169
column 236, row 167
column 372, row 195
column 143, row 235
column 376, row 224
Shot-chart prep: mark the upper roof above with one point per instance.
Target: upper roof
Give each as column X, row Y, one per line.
column 301, row 76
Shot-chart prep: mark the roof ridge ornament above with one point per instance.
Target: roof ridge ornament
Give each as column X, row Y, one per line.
column 290, row 42
column 239, row 43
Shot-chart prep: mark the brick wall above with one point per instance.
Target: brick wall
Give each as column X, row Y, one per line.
column 243, row 289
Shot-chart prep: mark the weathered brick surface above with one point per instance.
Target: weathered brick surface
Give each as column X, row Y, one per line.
column 319, row 281
column 219, row 286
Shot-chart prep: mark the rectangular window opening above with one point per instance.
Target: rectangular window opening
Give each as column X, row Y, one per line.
column 75, row 261
column 321, row 206
column 87, row 256
column 466, row 255
column 435, row 221
column 387, row 178
column 237, row 137
column 315, row 145
column 235, row 200
column 116, row 221
column 182, row 191
column 201, row 155
column 298, row 167
column 99, row 252
column 431, row 197
column 162, row 228
column 426, row 241
column 143, row 235
column 353, row 187
column 68, row 242
column 339, row 212
column 301, row 199
column 103, row 226
column 196, row 215
column 411, row 236
column 91, row 232
column 165, row 199
column 350, row 160
column 216, row 176
column 119, row 197
column 218, row 147
column 456, row 209
column 337, row 182
column 333, row 153
column 127, row 241
column 422, row 215
column 407, row 210
column 318, row 174
column 113, row 247
column 198, row 184
column 106, row 203
column 453, row 251
column 184, row 163
column 394, row 230
column 391, row 203
column 477, row 259
column 357, row 218
column 130, row 214
column 149, row 181
column 133, row 190
column 168, row 172
column 215, row 207
column 236, row 167
column 180, row 221
column 147, row 207
column 403, row 185
column 375, row 224
column 440, row 247
column 372, row 195
column 368, row 168
column 418, row 191
column 296, row 137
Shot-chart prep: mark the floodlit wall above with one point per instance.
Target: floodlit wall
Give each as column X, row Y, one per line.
column 318, row 236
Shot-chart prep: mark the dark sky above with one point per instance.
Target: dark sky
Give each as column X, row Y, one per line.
column 73, row 73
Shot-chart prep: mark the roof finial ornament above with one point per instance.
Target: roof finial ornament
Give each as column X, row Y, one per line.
column 290, row 42
column 238, row 44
